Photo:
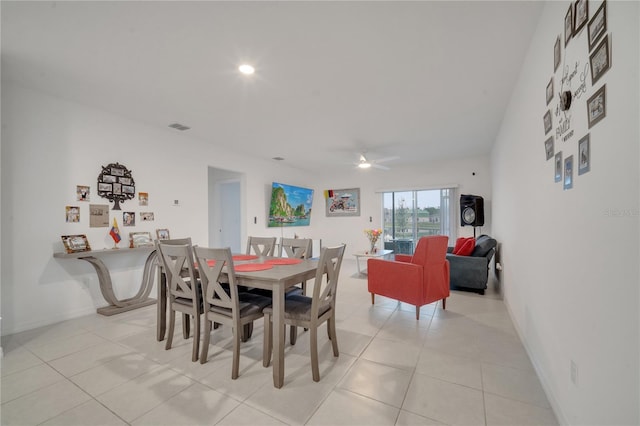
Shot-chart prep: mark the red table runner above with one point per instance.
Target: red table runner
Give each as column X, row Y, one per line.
column 251, row 267
column 244, row 257
column 284, row 261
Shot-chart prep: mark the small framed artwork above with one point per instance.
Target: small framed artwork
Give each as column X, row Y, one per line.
column 143, row 198
column 105, row 187
column 125, row 180
column 548, row 147
column 597, row 106
column 558, row 169
column 117, row 170
column 117, row 188
column 547, row 122
column 72, row 214
column 126, row 189
column 550, row 91
column 129, row 218
column 75, row 243
column 82, row 193
column 568, row 25
column 342, row 202
column 98, row 215
column 556, row 54
column 581, row 15
column 568, row 172
column 584, row 155
column 597, row 26
column 140, row 239
column 146, row 216
column 109, row 179
column 162, row 234
column 600, row 60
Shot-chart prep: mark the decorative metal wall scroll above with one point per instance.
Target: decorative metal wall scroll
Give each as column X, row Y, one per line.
column 116, row 184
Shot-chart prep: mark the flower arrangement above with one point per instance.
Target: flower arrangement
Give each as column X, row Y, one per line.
column 373, row 235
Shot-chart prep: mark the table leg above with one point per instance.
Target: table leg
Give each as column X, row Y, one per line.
column 162, row 305
column 278, row 335
column 358, row 264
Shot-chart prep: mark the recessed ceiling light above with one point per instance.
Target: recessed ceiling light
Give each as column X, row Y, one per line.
column 246, row 69
column 278, row 158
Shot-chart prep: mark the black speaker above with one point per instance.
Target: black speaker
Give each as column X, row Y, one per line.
column 471, row 210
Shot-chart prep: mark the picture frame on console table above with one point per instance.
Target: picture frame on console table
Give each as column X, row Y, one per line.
column 162, row 234
column 141, row 239
column 75, row 243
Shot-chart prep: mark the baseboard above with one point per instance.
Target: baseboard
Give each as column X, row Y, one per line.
column 555, row 406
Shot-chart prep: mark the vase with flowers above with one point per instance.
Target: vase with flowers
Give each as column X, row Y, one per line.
column 373, row 235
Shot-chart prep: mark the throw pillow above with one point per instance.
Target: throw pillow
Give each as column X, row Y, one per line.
column 467, row 247
column 459, row 242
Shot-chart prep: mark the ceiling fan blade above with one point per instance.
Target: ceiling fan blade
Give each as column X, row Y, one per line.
column 385, row 159
column 378, row 166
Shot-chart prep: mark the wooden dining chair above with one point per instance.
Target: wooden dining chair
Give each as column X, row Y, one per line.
column 223, row 303
column 312, row 312
column 261, row 246
column 185, row 294
column 299, row 248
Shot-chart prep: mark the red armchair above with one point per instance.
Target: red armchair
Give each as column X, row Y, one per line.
column 418, row 280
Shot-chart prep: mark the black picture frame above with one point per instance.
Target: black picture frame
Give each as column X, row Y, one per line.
column 557, row 54
column 584, row 155
column 597, row 106
column 597, row 26
column 547, row 122
column 548, row 147
column 550, row 91
column 568, row 25
column 600, row 60
column 581, row 15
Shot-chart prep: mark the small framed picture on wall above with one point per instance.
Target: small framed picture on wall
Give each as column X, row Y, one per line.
column 584, row 155
column 558, row 169
column 568, row 172
column 597, row 106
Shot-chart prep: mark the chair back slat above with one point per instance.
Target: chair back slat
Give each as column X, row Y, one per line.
column 299, row 248
column 326, row 282
column 219, row 290
column 261, row 246
column 177, row 260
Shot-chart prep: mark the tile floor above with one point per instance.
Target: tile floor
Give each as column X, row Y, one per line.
column 462, row 366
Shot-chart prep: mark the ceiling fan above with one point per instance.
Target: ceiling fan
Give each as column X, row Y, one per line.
column 365, row 163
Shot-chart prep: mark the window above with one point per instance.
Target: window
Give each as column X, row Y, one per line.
column 409, row 215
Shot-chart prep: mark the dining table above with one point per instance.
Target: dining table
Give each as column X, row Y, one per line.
column 277, row 278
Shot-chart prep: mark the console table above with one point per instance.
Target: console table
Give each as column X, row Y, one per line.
column 386, row 254
column 116, row 305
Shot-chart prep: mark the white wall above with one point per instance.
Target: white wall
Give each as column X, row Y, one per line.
column 571, row 257
column 50, row 145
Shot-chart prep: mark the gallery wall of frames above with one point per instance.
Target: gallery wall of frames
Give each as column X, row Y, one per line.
column 576, row 91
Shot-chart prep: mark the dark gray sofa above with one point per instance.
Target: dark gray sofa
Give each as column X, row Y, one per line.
column 472, row 272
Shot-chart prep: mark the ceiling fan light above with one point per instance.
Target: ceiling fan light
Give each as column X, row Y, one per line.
column 246, row 69
column 364, row 165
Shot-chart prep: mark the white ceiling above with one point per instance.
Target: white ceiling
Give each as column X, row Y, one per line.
column 422, row 80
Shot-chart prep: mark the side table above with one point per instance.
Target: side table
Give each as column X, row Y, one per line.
column 386, row 254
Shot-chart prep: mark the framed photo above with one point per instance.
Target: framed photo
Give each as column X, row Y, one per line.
column 568, row 25
column 581, row 15
column 141, row 239
column 126, row 189
column 556, row 55
column 548, row 147
column 597, row 106
column 547, row 122
column 162, row 234
column 129, row 218
column 558, row 170
column 597, row 26
column 98, row 215
column 109, row 179
column 82, row 193
column 146, row 216
column 117, row 188
column 105, row 187
column 117, row 171
column 550, row 91
column 72, row 214
column 584, row 155
column 143, row 198
column 125, row 180
column 342, row 202
column 600, row 60
column 568, row 172
column 75, row 243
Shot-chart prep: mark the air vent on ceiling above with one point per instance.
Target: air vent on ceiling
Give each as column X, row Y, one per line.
column 179, row 126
